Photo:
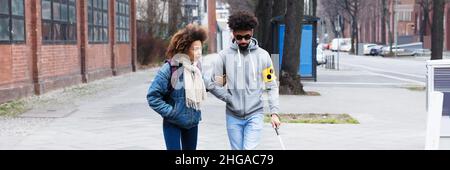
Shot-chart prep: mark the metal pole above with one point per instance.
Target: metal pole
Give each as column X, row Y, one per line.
column 395, row 26
column 339, row 43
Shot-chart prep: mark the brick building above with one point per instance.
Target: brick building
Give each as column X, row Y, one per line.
column 409, row 15
column 50, row 44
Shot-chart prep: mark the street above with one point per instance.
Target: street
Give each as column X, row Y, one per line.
column 372, row 71
column 408, row 70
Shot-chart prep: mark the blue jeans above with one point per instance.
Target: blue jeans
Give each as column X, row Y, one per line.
column 178, row 138
column 245, row 134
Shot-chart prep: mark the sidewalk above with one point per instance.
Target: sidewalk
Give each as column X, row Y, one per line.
column 118, row 117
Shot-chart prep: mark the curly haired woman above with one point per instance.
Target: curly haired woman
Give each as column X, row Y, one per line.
column 178, row 89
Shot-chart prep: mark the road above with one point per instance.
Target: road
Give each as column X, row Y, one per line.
column 374, row 71
column 403, row 69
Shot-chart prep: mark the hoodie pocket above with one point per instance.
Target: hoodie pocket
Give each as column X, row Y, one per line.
column 234, row 103
column 254, row 102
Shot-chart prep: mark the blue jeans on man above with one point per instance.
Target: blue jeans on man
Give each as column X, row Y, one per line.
column 245, row 134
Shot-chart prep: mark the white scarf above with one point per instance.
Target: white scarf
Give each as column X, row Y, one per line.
column 194, row 85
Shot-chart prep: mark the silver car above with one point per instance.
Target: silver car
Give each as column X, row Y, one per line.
column 421, row 52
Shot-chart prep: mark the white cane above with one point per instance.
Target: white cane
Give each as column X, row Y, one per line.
column 279, row 138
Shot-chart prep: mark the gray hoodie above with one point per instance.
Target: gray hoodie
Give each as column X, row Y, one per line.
column 245, row 81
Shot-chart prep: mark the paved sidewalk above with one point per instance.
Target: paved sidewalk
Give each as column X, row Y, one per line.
column 117, row 117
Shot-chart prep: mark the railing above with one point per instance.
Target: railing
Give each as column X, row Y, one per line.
column 331, row 62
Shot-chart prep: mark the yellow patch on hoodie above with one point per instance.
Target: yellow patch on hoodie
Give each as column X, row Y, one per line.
column 269, row 75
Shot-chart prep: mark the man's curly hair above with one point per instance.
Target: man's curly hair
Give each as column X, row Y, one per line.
column 242, row 21
column 183, row 39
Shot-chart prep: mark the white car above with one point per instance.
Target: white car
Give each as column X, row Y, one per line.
column 341, row 44
column 368, row 48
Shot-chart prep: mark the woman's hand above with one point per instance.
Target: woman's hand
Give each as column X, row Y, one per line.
column 276, row 123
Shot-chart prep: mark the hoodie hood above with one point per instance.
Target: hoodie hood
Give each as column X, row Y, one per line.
column 252, row 46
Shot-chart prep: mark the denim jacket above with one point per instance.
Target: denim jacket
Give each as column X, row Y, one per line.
column 170, row 102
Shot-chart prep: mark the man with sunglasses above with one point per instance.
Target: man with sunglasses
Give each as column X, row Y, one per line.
column 242, row 74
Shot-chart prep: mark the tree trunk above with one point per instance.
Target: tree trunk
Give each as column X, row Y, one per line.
column 279, row 8
column 289, row 78
column 314, row 6
column 437, row 33
column 383, row 21
column 335, row 32
column 390, row 33
column 341, row 23
column 263, row 33
column 174, row 16
column 354, row 35
column 425, row 20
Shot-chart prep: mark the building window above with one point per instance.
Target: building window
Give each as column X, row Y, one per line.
column 59, row 21
column 12, row 21
column 123, row 21
column 98, row 21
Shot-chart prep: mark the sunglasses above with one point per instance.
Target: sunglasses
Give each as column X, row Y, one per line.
column 246, row 37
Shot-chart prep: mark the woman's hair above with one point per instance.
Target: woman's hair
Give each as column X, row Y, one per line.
column 242, row 21
column 183, row 39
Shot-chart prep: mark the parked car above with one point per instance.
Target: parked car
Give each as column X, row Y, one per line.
column 397, row 51
column 421, row 52
column 368, row 48
column 376, row 51
column 320, row 56
column 341, row 44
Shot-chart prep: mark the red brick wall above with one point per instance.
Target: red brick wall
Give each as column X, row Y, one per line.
column 98, row 61
column 98, row 57
column 15, row 65
column 37, row 67
column 123, row 58
column 58, row 64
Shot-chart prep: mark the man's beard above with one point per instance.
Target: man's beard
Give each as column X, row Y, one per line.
column 243, row 48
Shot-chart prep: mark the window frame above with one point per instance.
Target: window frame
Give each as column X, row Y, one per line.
column 93, row 25
column 52, row 21
column 120, row 15
column 12, row 17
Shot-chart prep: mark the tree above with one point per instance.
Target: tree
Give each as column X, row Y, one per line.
column 279, row 8
column 437, row 33
column 426, row 7
column 352, row 8
column 174, row 16
column 242, row 5
column 152, row 31
column 384, row 14
column 290, row 81
column 264, row 15
column 329, row 12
